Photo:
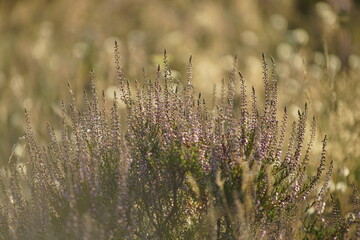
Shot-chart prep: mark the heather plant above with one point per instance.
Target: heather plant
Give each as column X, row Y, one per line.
column 172, row 166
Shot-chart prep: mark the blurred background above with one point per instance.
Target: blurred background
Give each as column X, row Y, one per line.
column 45, row 44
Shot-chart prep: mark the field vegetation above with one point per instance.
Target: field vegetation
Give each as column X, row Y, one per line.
column 140, row 144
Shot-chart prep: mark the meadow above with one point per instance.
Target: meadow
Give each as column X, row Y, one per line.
column 111, row 132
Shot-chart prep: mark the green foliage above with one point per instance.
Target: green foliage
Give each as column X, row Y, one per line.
column 175, row 170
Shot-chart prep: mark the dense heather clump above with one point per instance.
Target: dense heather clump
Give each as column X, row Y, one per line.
column 179, row 171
